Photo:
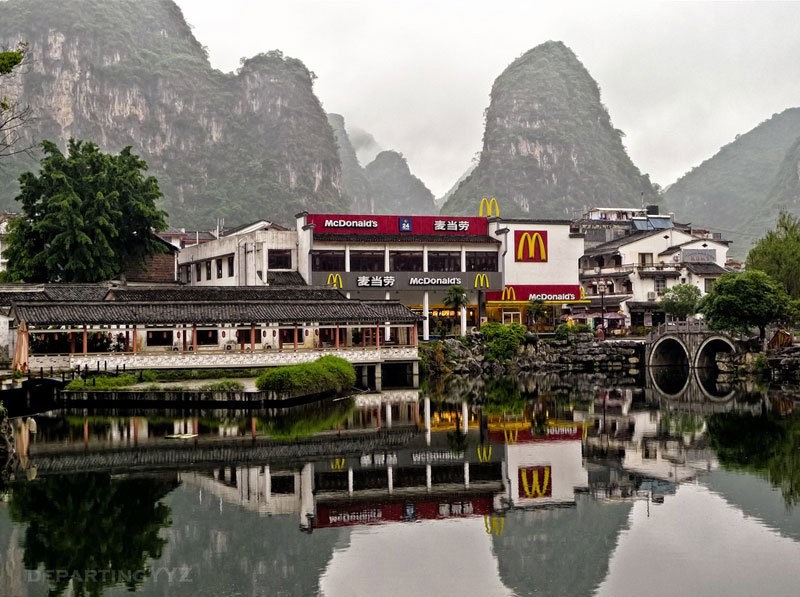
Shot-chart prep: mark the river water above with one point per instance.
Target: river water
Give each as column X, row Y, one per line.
column 549, row 485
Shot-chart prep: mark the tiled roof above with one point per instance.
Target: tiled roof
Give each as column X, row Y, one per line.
column 285, row 279
column 199, row 294
column 405, row 238
column 52, row 292
column 706, row 269
column 342, row 311
column 393, row 310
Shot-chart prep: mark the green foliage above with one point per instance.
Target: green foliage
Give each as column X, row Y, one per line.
column 300, row 423
column 455, row 299
column 433, row 359
column 85, row 216
column 502, row 341
column 503, row 396
column 738, row 302
column 9, row 60
column 190, row 374
column 83, row 523
column 546, row 104
column 326, row 374
column 681, row 300
column 778, row 254
column 102, row 383
column 224, row 385
column 564, row 331
column 728, row 191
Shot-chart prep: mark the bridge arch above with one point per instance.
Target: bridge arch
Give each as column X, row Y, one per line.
column 669, row 351
column 705, row 356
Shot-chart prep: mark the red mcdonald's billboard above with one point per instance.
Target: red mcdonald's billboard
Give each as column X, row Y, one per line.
column 530, row 245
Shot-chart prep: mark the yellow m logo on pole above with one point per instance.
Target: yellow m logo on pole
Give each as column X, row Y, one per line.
column 533, row 241
column 481, row 281
column 489, row 207
column 334, row 280
column 484, row 453
column 337, row 464
column 509, row 294
column 494, row 525
column 534, row 482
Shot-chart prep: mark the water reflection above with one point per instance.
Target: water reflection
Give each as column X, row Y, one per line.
column 520, row 486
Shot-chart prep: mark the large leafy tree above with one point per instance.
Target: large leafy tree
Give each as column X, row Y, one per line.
column 85, row 216
column 739, row 302
column 778, row 254
column 681, row 300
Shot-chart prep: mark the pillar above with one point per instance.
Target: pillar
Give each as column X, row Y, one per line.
column 428, row 477
column 377, row 337
column 85, row 340
column 350, row 480
column 295, row 337
column 378, row 378
column 463, row 321
column 466, row 474
column 252, row 337
column 336, row 338
column 390, row 479
column 267, row 484
column 389, row 415
column 194, row 337
column 135, row 342
column 427, row 421
column 464, row 417
column 426, row 324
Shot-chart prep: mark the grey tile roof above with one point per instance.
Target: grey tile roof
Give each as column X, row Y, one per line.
column 393, row 310
column 199, row 294
column 100, row 313
column 706, row 269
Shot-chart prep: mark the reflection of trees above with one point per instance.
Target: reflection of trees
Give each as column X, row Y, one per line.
column 92, row 528
column 767, row 445
column 301, row 422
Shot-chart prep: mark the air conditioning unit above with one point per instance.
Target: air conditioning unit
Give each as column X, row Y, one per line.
column 651, row 296
column 676, row 257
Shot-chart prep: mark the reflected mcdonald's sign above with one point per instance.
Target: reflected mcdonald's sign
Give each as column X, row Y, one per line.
column 509, row 294
column 511, row 435
column 481, row 281
column 334, row 280
column 489, row 207
column 337, row 464
column 531, row 245
column 494, row 524
column 484, row 453
column 535, row 482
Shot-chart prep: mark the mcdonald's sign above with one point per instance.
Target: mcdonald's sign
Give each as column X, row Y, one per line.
column 337, row 464
column 334, row 280
column 481, row 281
column 484, row 453
column 494, row 524
column 489, row 207
column 511, row 435
column 509, row 294
column 535, row 482
column 531, row 245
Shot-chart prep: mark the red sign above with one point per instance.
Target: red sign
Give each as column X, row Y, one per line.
column 331, row 515
column 530, row 245
column 535, row 482
column 541, row 292
column 383, row 224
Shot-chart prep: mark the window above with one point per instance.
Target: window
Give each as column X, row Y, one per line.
column 482, row 261
column 327, row 261
column 645, row 259
column 230, row 266
column 207, row 337
column 279, row 259
column 405, row 261
column 219, row 267
column 441, row 261
column 709, row 284
column 367, row 261
column 198, row 271
column 208, row 269
column 661, row 285
column 159, row 337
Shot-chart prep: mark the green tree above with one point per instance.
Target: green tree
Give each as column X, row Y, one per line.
column 456, row 299
column 778, row 254
column 536, row 309
column 12, row 115
column 681, row 301
column 739, row 302
column 85, row 217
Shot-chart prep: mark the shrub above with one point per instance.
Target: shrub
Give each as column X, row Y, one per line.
column 102, row 382
column 326, row 374
column 433, row 359
column 223, row 385
column 502, row 341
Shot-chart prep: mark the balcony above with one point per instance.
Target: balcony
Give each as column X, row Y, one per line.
column 659, row 270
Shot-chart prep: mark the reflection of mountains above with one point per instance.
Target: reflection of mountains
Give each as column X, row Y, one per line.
column 559, row 551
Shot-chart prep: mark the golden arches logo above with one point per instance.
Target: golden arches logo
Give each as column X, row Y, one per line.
column 484, row 453
column 534, row 482
column 334, row 280
column 583, row 293
column 511, row 435
column 533, row 241
column 481, row 281
column 337, row 464
column 494, row 524
column 509, row 294
column 489, row 207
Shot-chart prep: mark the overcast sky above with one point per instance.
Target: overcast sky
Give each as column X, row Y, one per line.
column 680, row 79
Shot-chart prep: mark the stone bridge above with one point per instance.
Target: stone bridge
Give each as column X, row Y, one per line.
column 686, row 344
